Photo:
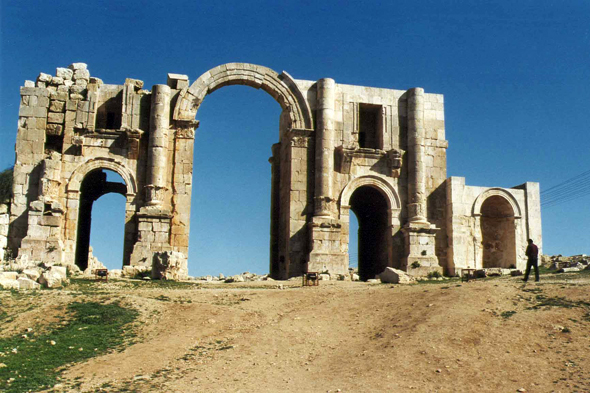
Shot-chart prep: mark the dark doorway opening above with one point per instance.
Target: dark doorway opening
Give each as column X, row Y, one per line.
column 94, row 185
column 498, row 233
column 370, row 208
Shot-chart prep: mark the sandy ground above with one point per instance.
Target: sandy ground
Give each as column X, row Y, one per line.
column 340, row 336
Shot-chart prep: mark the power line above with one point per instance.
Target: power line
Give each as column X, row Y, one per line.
column 567, row 181
column 567, row 188
column 565, row 199
column 574, row 195
column 568, row 192
column 570, row 189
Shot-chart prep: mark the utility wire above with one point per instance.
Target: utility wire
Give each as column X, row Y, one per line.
column 567, row 198
column 567, row 190
column 566, row 181
column 568, row 187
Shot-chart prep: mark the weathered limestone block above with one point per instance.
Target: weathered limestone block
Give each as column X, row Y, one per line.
column 395, row 276
column 169, row 265
column 81, row 74
column 57, row 106
column 57, row 80
column 51, row 278
column 8, row 283
column 56, row 118
column 32, row 273
column 64, row 73
column 45, row 78
column 134, row 271
column 27, row 283
column 8, row 275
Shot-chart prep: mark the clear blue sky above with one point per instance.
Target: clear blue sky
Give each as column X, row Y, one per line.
column 515, row 75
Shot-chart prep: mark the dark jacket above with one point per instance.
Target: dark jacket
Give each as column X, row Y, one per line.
column 532, row 251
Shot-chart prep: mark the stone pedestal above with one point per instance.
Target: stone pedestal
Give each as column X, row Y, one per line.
column 43, row 242
column 326, row 247
column 420, row 243
column 153, row 235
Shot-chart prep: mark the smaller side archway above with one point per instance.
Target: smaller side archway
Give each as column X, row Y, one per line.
column 376, row 206
column 498, row 213
column 78, row 208
column 94, row 186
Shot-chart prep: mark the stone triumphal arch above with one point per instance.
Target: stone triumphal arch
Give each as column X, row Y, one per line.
column 376, row 151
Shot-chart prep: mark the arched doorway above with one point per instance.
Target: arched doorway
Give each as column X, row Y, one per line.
column 291, row 161
column 231, row 198
column 498, row 233
column 371, row 209
column 95, row 185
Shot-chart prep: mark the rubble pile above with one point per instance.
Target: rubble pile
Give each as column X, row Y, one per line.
column 562, row 264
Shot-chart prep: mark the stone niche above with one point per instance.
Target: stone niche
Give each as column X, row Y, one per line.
column 378, row 154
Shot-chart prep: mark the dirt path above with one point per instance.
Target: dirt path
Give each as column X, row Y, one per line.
column 450, row 337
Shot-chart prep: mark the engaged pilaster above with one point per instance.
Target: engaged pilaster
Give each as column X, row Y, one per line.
column 324, row 152
column 158, row 145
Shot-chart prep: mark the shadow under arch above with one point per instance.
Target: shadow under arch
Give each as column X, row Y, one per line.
column 497, row 212
column 281, row 87
column 377, row 207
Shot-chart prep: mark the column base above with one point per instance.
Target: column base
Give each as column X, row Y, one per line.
column 420, row 240
column 326, row 247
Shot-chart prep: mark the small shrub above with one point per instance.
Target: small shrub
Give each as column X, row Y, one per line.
column 415, row 265
column 435, row 274
column 507, row 314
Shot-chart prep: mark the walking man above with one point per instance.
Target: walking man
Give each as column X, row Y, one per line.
column 532, row 253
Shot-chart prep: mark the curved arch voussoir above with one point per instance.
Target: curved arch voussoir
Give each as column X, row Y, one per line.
column 287, row 94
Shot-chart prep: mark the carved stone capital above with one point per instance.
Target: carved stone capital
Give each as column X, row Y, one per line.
column 185, row 129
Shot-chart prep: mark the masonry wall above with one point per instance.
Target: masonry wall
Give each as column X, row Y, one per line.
column 334, row 140
column 384, row 157
column 467, row 243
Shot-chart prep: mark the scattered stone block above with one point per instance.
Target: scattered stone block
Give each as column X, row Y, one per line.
column 51, row 279
column 8, row 275
column 7, row 283
column 27, row 283
column 169, row 265
column 115, row 273
column 395, row 276
column 32, row 273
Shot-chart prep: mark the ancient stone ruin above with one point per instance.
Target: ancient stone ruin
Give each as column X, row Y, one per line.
column 378, row 152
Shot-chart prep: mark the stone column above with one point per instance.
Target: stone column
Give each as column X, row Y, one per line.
column 158, row 145
column 324, row 152
column 416, row 175
column 420, row 236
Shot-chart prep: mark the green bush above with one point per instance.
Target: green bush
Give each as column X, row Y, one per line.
column 6, row 185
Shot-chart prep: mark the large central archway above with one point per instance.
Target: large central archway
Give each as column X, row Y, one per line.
column 290, row 192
